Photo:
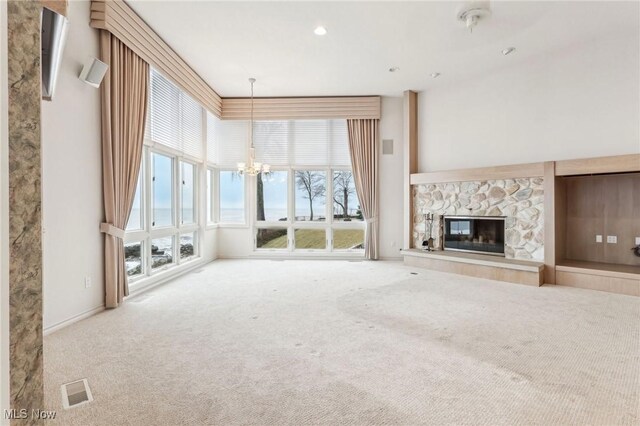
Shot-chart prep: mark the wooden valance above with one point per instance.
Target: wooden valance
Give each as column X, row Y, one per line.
column 120, row 20
column 302, row 108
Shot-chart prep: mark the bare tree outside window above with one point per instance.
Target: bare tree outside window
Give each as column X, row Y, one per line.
column 313, row 187
column 343, row 192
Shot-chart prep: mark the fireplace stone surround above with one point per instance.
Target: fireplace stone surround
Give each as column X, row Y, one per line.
column 519, row 201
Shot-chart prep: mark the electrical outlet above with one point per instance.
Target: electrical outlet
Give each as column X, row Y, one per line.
column 598, row 238
column 87, row 282
column 612, row 239
column 638, row 241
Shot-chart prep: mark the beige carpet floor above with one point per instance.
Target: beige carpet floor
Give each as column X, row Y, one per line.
column 333, row 342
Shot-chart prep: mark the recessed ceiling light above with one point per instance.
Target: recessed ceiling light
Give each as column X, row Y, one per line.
column 394, row 69
column 508, row 50
column 320, row 30
column 435, row 74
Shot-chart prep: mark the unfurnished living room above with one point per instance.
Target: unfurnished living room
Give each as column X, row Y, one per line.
column 319, row 212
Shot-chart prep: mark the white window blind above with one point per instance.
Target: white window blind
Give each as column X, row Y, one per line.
column 271, row 140
column 191, row 126
column 226, row 141
column 174, row 119
column 302, row 142
column 339, row 154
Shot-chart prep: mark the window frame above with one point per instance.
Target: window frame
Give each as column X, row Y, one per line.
column 291, row 224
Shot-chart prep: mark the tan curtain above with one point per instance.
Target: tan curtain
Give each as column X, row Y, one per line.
column 363, row 145
column 124, row 110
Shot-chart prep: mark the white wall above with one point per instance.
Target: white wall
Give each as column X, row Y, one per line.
column 576, row 102
column 391, row 180
column 72, row 182
column 4, row 219
column 237, row 242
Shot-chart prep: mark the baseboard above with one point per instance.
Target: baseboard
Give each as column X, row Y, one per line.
column 62, row 324
column 392, row 258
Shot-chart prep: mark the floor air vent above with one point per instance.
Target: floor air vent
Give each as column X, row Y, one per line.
column 76, row 393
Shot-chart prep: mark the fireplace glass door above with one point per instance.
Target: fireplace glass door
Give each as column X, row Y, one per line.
column 474, row 234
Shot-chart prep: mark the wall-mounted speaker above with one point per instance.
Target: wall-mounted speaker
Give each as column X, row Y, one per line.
column 387, row 146
column 93, row 72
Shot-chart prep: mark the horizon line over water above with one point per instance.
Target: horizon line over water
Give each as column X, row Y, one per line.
column 163, row 215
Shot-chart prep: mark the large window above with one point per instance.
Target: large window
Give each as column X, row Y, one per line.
column 164, row 228
column 309, row 202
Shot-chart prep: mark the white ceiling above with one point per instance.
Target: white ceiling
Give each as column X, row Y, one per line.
column 228, row 42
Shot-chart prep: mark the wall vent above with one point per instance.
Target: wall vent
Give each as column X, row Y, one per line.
column 76, row 393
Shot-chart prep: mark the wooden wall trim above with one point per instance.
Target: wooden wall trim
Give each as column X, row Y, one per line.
column 410, row 161
column 120, row 20
column 302, row 108
column 586, row 166
column 482, row 173
column 61, row 7
column 549, row 223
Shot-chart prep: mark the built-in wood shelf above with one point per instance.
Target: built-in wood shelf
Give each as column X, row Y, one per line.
column 614, row 278
column 477, row 265
column 598, row 268
column 589, row 166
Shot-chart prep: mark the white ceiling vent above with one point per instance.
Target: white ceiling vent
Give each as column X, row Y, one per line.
column 76, row 393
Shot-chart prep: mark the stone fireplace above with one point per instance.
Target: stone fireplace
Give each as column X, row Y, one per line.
column 519, row 202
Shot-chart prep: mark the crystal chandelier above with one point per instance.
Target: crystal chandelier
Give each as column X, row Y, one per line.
column 253, row 167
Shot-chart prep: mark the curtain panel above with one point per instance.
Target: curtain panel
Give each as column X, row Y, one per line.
column 124, row 110
column 364, row 136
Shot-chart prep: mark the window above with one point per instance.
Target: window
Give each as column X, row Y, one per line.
column 163, row 229
column 187, row 190
column 311, row 190
column 309, row 201
column 346, row 206
column 210, row 216
column 133, row 258
column 187, row 245
column 162, row 252
column 162, row 187
column 271, row 198
column 136, row 217
column 348, row 239
column 272, row 238
column 231, row 203
column 312, row 239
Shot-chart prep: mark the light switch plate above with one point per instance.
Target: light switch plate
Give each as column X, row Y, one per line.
column 598, row 238
column 638, row 241
column 612, row 239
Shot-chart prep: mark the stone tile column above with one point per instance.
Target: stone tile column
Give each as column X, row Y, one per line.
column 25, row 226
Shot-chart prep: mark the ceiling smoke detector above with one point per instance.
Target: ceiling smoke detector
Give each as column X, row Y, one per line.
column 472, row 12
